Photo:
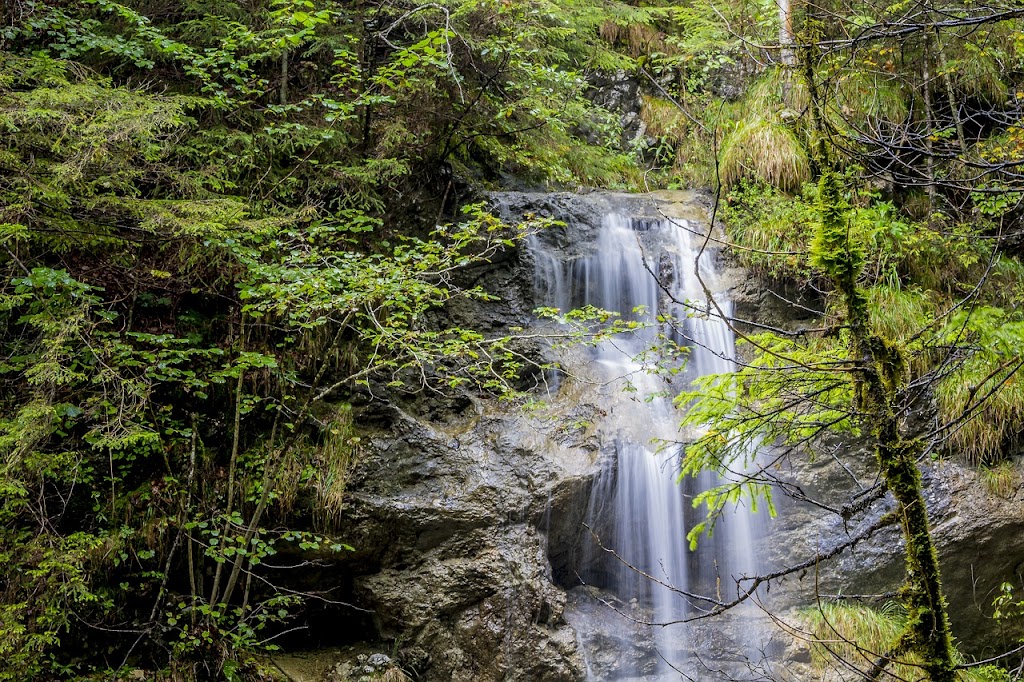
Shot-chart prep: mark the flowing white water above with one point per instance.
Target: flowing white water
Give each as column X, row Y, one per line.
column 637, row 508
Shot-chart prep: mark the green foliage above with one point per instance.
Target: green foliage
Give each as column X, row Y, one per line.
column 46, row 598
column 121, row 394
column 701, row 44
column 799, row 409
column 836, row 248
column 788, row 395
column 698, row 49
column 197, row 275
column 1006, row 605
column 770, row 230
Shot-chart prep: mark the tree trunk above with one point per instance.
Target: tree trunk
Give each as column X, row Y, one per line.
column 283, row 93
column 786, row 54
column 954, row 102
column 929, row 122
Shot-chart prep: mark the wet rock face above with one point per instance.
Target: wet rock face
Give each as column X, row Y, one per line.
column 981, row 544
column 451, row 522
column 480, row 608
column 579, row 216
column 779, row 305
column 614, row 642
column 458, row 502
column 980, row 540
column 467, row 518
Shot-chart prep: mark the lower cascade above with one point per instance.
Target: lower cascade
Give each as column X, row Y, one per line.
column 635, row 576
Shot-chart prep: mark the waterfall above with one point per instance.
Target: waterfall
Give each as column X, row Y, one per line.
column 644, row 269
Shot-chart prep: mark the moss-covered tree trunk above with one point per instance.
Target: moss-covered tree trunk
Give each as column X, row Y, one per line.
column 881, row 375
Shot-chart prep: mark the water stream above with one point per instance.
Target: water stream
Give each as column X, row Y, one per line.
column 644, row 267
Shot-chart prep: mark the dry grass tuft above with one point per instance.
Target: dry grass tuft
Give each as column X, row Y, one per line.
column 335, row 460
column 394, row 674
column 764, row 151
column 686, row 142
column 638, row 39
column 663, row 118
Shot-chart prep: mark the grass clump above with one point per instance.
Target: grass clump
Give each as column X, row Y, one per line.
column 777, row 90
column 980, row 76
column 855, row 633
column 681, row 142
column 637, row 38
column 764, row 144
column 335, row 460
column 898, row 313
column 600, row 167
column 982, row 400
column 1001, row 479
column 663, row 118
column 862, row 97
column 986, row 404
column 858, row 634
column 761, row 150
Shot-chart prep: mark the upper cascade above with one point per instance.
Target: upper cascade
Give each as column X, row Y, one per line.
column 658, row 270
